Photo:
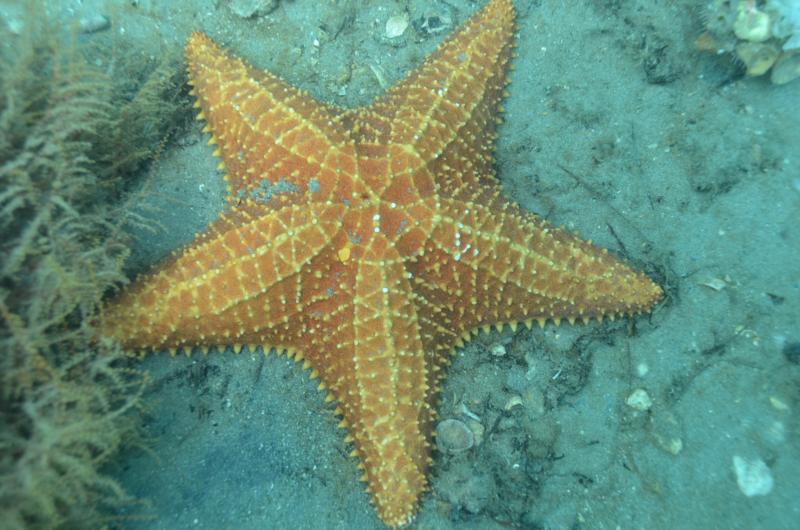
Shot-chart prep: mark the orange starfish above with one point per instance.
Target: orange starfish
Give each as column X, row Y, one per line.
column 370, row 242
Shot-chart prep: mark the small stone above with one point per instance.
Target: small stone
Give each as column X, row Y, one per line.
column 498, row 350
column 396, row 25
column 778, row 404
column 639, row 399
column 15, row 25
column 252, row 8
column 453, row 436
column 707, row 43
column 757, row 57
column 787, row 68
column 752, row 476
column 751, row 24
column 642, row 369
column 93, row 23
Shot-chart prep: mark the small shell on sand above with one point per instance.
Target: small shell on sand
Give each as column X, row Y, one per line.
column 498, row 349
column 639, row 399
column 453, row 436
column 396, row 25
column 752, row 476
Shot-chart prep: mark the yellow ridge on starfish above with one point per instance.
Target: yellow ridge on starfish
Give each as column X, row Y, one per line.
column 369, row 243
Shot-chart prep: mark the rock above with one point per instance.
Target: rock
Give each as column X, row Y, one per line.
column 787, row 68
column 752, row 476
column 757, row 57
column 751, row 24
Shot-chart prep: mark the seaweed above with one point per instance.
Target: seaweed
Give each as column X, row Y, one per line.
column 72, row 137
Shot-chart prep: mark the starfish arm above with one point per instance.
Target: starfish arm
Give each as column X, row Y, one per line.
column 264, row 126
column 210, row 294
column 451, row 100
column 492, row 266
column 368, row 354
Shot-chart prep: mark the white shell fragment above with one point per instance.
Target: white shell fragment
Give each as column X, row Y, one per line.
column 752, row 476
column 639, row 399
column 93, row 22
column 513, row 401
column 716, row 284
column 453, row 436
column 778, row 404
column 497, row 350
column 396, row 25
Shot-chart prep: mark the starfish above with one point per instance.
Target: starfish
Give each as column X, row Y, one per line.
column 369, row 243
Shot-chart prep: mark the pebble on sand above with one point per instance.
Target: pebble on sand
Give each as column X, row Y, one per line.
column 453, row 436
column 753, row 476
column 639, row 399
column 93, row 22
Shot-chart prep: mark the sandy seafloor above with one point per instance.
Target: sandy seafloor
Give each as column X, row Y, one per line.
column 695, row 179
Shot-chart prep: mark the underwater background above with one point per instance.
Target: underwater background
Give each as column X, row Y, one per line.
column 668, row 132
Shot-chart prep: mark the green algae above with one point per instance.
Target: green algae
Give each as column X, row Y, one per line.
column 73, row 135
